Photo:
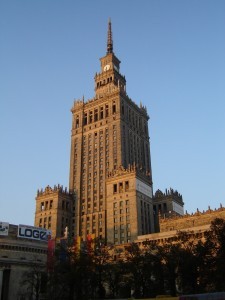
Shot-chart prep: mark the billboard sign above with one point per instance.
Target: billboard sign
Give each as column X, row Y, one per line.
column 33, row 233
column 4, row 228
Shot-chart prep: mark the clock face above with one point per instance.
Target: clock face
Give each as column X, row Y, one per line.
column 106, row 67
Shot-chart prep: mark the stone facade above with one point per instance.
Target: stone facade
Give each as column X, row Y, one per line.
column 54, row 210
column 167, row 205
column 18, row 256
column 190, row 221
column 109, row 132
column 195, row 224
column 129, row 205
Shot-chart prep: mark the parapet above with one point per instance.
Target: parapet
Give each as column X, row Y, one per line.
column 131, row 169
column 191, row 220
column 168, row 192
column 49, row 190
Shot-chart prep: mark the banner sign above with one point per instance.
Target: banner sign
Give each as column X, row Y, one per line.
column 4, row 228
column 50, row 255
column 34, row 233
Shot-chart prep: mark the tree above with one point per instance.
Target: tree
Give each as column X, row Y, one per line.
column 216, row 239
column 34, row 281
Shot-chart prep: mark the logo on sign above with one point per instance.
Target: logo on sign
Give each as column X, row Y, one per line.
column 33, row 233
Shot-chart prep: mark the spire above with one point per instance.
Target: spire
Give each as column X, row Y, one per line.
column 109, row 39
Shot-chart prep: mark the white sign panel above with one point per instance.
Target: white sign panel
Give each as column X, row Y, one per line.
column 143, row 188
column 4, row 228
column 178, row 208
column 34, row 233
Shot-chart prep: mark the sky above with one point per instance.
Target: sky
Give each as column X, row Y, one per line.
column 172, row 54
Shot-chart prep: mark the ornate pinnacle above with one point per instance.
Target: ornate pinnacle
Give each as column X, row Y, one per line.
column 109, row 38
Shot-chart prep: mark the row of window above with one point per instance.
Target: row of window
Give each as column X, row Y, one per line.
column 122, row 233
column 121, row 211
column 46, row 205
column 120, row 187
column 162, row 208
column 104, row 81
column 121, row 203
column 121, row 219
column 136, row 121
column 45, row 222
column 22, row 248
column 95, row 115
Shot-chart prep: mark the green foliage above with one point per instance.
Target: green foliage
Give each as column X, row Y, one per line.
column 187, row 264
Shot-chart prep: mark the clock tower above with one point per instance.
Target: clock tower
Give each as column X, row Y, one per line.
column 110, row 70
column 110, row 164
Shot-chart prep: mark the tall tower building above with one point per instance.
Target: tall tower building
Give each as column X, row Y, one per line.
column 110, row 164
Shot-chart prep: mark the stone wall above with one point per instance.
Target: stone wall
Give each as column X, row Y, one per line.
column 191, row 220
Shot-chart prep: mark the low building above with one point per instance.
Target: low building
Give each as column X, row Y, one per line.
column 23, row 250
column 196, row 224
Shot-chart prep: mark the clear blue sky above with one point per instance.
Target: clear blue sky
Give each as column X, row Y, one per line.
column 173, row 56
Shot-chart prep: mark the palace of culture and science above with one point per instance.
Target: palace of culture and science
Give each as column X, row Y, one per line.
column 110, row 192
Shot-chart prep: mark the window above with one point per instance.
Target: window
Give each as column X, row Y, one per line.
column 115, row 188
column 101, row 113
column 51, row 204
column 85, row 119
column 122, row 109
column 164, row 207
column 90, row 117
column 77, row 121
column 114, row 107
column 96, row 114
column 106, row 110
